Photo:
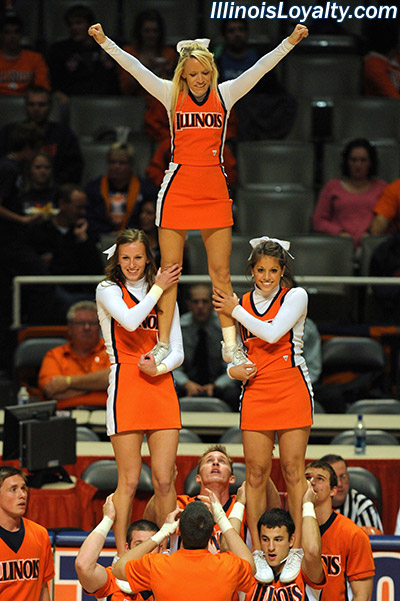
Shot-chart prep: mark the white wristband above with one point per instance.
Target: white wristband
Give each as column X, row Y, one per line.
column 104, row 526
column 166, row 530
column 237, row 511
column 309, row 510
column 220, row 517
column 156, row 291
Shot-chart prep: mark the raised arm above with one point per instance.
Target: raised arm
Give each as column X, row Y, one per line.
column 91, row 574
column 234, row 89
column 157, row 87
column 311, row 539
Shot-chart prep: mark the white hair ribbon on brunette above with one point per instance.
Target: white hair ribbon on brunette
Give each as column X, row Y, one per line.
column 203, row 41
column 110, row 251
column 285, row 244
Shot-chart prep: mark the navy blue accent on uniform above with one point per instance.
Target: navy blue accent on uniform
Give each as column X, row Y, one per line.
column 166, row 191
column 253, row 306
column 308, row 388
column 224, row 128
column 114, row 345
column 14, row 539
column 328, row 523
column 200, row 102
column 115, row 400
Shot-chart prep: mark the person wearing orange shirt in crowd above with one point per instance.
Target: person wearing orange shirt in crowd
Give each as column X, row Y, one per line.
column 25, row 553
column 114, row 199
column 19, row 68
column 192, row 572
column 381, row 75
column 94, row 577
column 77, row 373
column 387, row 211
column 346, row 549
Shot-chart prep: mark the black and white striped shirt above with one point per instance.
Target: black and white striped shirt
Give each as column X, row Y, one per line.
column 360, row 510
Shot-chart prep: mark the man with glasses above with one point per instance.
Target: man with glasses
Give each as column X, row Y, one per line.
column 76, row 373
column 203, row 372
column 59, row 141
column 348, row 501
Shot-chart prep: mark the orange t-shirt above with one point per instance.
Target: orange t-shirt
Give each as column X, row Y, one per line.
column 63, row 361
column 17, row 74
column 190, row 574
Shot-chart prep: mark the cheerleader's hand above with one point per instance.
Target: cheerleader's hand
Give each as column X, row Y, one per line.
column 223, row 303
column 243, row 372
column 147, row 364
column 298, row 33
column 96, row 31
column 169, row 276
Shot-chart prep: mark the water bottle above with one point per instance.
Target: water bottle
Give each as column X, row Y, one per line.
column 360, row 436
column 23, row 396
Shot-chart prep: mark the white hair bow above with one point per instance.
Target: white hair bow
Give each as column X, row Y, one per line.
column 285, row 244
column 204, row 41
column 110, row 251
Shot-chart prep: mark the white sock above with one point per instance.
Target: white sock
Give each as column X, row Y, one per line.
column 229, row 335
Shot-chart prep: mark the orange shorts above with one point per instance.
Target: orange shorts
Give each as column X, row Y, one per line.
column 140, row 402
column 277, row 400
column 194, row 197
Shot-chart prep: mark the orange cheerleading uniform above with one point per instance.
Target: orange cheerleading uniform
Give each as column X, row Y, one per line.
column 24, row 570
column 195, row 188
column 190, row 574
column 112, row 591
column 214, row 543
column 136, row 401
column 301, row 589
column 347, row 553
column 279, row 397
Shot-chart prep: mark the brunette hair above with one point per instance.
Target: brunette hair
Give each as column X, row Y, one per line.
column 269, row 248
column 371, row 151
column 113, row 270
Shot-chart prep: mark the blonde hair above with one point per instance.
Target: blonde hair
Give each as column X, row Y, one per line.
column 205, row 57
column 113, row 270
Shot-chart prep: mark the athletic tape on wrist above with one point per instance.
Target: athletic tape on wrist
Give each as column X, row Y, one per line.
column 156, row 291
column 161, row 369
column 309, row 510
column 104, row 526
column 166, row 530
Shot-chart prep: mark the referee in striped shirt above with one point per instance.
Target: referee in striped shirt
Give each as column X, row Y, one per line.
column 348, row 501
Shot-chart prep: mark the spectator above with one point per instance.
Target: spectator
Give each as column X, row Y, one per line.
column 62, row 241
column 94, row 577
column 203, row 372
column 348, row 501
column 312, row 350
column 267, row 111
column 19, row 68
column 114, row 199
column 147, row 223
column 59, row 141
column 387, row 210
column 345, row 547
column 23, row 543
column 76, row 373
column 385, row 262
column 17, row 256
column 150, row 49
column 346, row 204
column 40, row 192
column 187, row 571
column 78, row 65
column 276, row 529
column 382, row 63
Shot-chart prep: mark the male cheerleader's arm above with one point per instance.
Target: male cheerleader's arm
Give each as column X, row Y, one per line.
column 167, row 529
column 44, row 593
column 294, row 307
column 157, row 87
column 234, row 89
column 92, row 575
